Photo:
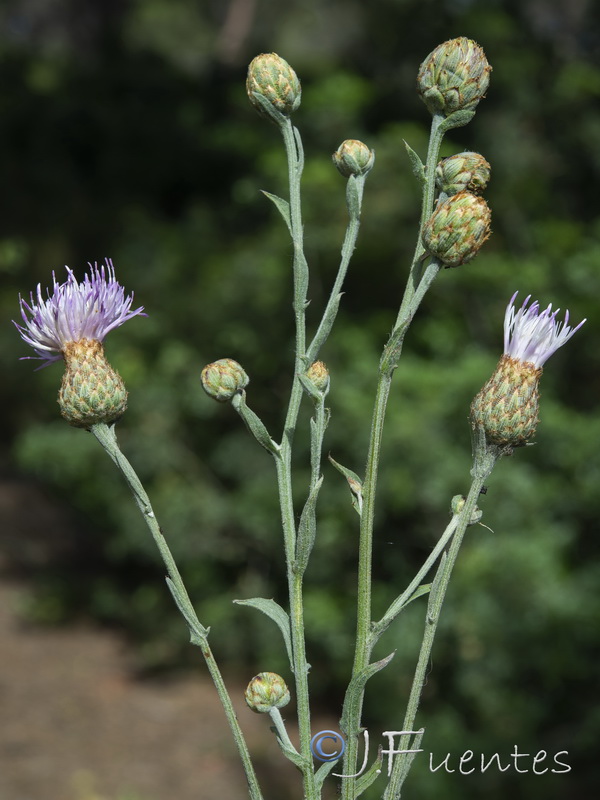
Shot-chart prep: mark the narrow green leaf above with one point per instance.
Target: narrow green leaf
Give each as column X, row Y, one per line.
column 269, row 110
column 197, row 630
column 307, row 528
column 366, row 779
column 324, row 771
column 355, row 691
column 283, row 207
column 254, row 424
column 434, row 602
column 354, row 482
column 456, row 120
column 418, row 167
column 293, row 756
column 424, row 588
column 277, row 614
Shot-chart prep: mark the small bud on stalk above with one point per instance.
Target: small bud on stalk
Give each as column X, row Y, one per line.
column 318, row 375
column 457, row 229
column 223, row 379
column 463, row 172
column 454, row 77
column 71, row 324
column 507, row 406
column 353, row 157
column 458, row 503
column 265, row 691
column 271, row 76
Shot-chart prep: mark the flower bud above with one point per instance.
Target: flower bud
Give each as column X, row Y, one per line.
column 274, row 79
column 457, row 504
column 454, row 77
column 224, row 378
column 265, row 691
column 464, row 172
column 457, row 229
column 353, row 158
column 507, row 406
column 318, row 375
column 91, row 391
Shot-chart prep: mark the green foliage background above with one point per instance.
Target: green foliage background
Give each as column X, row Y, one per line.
column 125, row 132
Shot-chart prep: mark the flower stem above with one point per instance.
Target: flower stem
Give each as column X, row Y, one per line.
column 354, row 194
column 416, row 288
column 295, row 159
column 107, row 437
column 434, row 606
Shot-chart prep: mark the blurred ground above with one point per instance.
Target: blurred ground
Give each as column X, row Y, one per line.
column 76, row 724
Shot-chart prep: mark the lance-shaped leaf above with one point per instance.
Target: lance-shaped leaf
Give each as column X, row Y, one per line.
column 254, row 423
column 355, row 690
column 437, row 591
column 417, row 165
column 366, row 779
column 198, row 632
column 324, row 771
column 277, row 614
column 282, row 206
column 293, row 755
column 307, row 528
column 354, row 482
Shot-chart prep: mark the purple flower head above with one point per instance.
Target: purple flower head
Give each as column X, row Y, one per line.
column 531, row 336
column 74, row 311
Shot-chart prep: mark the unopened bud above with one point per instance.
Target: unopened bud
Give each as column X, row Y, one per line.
column 454, row 77
column 353, row 157
column 458, row 503
column 265, row 691
column 507, row 406
column 224, row 378
column 318, row 375
column 91, row 391
column 457, row 229
column 464, row 172
column 271, row 76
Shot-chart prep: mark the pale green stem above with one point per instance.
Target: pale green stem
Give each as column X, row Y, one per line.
column 415, row 290
column 354, row 194
column 433, row 154
column 436, row 599
column 295, row 159
column 107, row 437
column 281, row 730
column 293, row 146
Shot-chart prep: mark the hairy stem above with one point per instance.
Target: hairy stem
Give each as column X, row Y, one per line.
column 434, row 607
column 295, row 159
column 415, row 291
column 107, row 437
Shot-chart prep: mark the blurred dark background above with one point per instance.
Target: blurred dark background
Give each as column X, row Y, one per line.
column 125, row 132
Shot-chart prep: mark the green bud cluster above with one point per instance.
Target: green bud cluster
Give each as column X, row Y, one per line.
column 454, row 77
column 463, row 172
column 223, row 379
column 271, row 76
column 457, row 229
column 507, row 406
column 91, row 391
column 353, row 157
column 265, row 691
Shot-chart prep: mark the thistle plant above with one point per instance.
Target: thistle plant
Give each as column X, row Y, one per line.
column 71, row 324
